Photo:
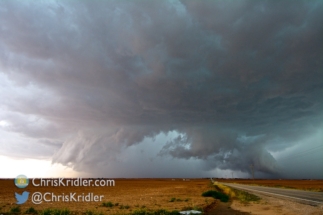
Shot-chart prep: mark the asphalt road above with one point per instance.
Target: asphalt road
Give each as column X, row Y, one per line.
column 307, row 197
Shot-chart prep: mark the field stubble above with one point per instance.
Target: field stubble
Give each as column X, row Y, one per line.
column 126, row 196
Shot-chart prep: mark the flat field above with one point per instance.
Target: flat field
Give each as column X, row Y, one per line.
column 127, row 195
column 310, row 185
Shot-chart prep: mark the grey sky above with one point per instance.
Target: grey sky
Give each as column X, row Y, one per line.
column 164, row 88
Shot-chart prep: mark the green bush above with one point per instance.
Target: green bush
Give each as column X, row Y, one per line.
column 107, row 204
column 217, row 195
column 31, row 210
column 172, row 199
column 88, row 212
column 15, row 209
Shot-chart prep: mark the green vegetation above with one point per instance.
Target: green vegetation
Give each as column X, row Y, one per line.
column 124, row 207
column 177, row 200
column 110, row 205
column 89, row 212
column 224, row 193
column 46, row 212
column 234, row 193
column 217, row 195
column 31, row 210
column 14, row 210
column 49, row 211
column 142, row 211
column 245, row 196
column 157, row 212
column 107, row 204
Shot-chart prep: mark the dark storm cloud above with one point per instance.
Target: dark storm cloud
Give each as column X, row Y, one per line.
column 231, row 78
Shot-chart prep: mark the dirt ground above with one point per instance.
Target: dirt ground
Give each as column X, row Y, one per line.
column 311, row 185
column 133, row 194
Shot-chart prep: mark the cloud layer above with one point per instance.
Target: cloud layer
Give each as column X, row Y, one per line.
column 227, row 84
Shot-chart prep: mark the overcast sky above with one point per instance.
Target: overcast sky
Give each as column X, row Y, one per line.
column 162, row 88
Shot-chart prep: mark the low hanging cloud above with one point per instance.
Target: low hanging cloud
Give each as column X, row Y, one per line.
column 227, row 83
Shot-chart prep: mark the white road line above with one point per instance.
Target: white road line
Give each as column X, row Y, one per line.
column 276, row 194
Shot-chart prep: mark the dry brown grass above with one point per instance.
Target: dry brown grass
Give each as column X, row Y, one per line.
column 311, row 185
column 133, row 193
